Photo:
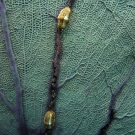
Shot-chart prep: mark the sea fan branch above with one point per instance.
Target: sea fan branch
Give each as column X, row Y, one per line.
column 111, row 113
column 16, row 78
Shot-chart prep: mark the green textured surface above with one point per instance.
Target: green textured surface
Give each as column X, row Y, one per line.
column 98, row 49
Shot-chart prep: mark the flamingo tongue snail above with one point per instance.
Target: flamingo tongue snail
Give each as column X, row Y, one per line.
column 63, row 17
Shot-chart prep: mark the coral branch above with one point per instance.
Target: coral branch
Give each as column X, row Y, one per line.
column 10, row 107
column 70, row 3
column 73, row 132
column 13, row 66
column 125, row 115
column 63, row 19
column 67, row 78
column 111, row 114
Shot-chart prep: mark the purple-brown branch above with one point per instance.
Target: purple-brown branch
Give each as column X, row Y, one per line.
column 53, row 89
column 10, row 107
column 70, row 3
column 111, row 113
column 18, row 89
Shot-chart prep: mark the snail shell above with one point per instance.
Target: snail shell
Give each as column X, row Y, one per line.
column 49, row 119
column 63, row 17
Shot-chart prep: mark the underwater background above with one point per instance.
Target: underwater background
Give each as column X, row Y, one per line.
column 97, row 53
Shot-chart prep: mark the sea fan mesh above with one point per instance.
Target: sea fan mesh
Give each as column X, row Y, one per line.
column 97, row 52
